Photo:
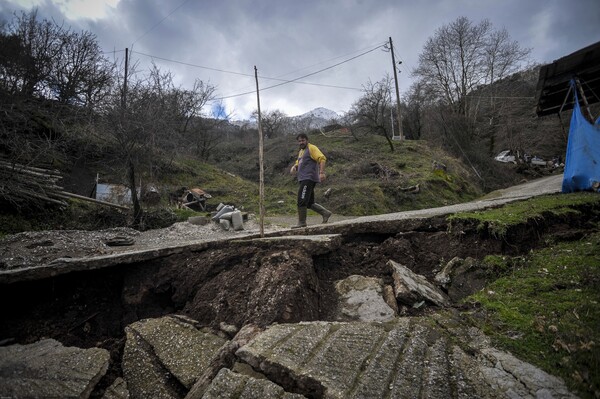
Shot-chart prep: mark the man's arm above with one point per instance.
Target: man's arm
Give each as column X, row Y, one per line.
column 322, row 170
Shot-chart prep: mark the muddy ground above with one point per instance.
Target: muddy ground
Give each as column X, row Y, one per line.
column 234, row 284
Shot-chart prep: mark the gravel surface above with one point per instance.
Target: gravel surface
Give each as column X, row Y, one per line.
column 41, row 247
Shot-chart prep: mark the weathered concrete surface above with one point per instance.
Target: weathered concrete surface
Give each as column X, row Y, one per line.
column 406, row 358
column 117, row 390
column 411, row 288
column 316, row 244
column 47, row 369
column 362, row 299
column 225, row 358
column 313, row 244
column 164, row 357
column 230, row 385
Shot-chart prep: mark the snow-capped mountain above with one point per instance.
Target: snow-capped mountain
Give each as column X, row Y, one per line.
column 313, row 119
column 321, row 113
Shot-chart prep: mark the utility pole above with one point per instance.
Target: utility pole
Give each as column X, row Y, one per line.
column 124, row 97
column 398, row 117
column 261, row 190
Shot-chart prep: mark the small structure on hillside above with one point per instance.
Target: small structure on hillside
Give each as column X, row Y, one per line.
column 113, row 193
column 194, row 198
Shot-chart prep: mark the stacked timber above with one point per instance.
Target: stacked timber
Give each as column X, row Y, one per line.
column 23, row 184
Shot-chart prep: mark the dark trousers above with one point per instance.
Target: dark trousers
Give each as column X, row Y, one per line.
column 306, row 193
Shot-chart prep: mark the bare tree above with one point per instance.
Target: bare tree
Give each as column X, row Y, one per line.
column 43, row 59
column 29, row 48
column 273, row 122
column 462, row 56
column 80, row 73
column 371, row 113
column 157, row 118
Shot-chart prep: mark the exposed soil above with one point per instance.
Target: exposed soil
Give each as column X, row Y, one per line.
column 236, row 284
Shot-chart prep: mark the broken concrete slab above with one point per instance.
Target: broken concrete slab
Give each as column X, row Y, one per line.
column 164, row 357
column 362, row 299
column 497, row 368
column 225, row 358
column 313, row 244
column 228, row 384
column 411, row 288
column 47, row 369
column 408, row 357
column 117, row 390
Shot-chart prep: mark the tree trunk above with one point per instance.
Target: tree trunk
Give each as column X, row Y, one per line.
column 389, row 140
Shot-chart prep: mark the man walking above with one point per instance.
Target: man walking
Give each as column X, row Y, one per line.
column 310, row 168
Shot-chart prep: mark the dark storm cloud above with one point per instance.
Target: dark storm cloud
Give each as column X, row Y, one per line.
column 288, row 39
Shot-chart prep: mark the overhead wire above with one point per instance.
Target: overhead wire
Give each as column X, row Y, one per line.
column 241, row 73
column 283, row 81
column 304, row 76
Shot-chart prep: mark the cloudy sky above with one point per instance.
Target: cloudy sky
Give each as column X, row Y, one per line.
column 334, row 42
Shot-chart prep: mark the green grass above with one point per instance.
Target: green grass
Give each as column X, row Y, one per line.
column 546, row 311
column 498, row 221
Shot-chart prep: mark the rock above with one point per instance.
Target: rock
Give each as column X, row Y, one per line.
column 225, row 358
column 228, row 329
column 47, row 369
column 390, row 298
column 443, row 278
column 117, row 390
column 164, row 357
column 461, row 277
column 361, row 299
column 411, row 288
column 228, row 384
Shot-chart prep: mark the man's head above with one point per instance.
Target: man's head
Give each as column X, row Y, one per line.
column 302, row 140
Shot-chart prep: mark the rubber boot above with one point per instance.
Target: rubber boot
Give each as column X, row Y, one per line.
column 321, row 211
column 301, row 218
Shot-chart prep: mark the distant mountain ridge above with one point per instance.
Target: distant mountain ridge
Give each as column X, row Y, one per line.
column 314, row 119
column 320, row 112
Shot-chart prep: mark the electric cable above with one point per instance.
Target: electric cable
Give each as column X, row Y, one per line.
column 302, row 77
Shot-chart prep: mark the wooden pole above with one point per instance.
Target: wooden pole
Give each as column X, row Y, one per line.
column 124, row 97
column 261, row 191
column 587, row 113
column 398, row 117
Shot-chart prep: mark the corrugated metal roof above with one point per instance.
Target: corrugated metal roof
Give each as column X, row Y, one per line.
column 554, row 80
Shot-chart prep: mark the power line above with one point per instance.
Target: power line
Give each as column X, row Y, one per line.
column 331, row 59
column 283, row 81
column 193, row 65
column 304, row 76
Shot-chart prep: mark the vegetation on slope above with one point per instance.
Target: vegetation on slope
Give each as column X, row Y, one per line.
column 543, row 307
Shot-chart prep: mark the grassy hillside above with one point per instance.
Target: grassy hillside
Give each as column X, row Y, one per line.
column 363, row 176
column 543, row 306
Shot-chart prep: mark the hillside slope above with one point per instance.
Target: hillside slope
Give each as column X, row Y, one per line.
column 363, row 176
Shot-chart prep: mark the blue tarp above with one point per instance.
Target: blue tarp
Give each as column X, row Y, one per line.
column 582, row 163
